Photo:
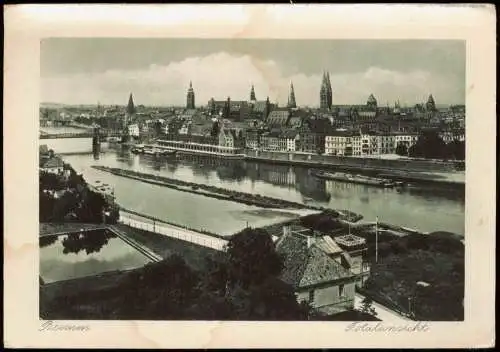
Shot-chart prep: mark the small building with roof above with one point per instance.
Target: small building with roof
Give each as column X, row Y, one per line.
column 355, row 248
column 54, row 165
column 311, row 269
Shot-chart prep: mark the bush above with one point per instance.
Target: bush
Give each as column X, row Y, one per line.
column 438, row 261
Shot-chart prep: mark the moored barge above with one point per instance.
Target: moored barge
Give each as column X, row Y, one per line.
column 358, row 179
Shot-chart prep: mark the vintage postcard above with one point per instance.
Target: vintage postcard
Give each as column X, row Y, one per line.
column 249, row 176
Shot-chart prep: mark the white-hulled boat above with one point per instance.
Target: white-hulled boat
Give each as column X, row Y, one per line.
column 200, row 149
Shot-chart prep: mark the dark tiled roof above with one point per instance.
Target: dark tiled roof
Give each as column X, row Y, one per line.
column 295, row 255
column 305, row 266
column 289, row 134
column 278, row 117
column 54, row 162
column 259, row 106
column 322, row 268
column 272, row 134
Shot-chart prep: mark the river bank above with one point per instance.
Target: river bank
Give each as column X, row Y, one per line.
column 453, row 179
column 346, row 217
column 427, row 208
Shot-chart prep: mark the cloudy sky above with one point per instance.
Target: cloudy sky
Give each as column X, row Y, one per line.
column 158, row 71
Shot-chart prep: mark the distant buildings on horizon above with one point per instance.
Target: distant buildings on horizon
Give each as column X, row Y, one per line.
column 325, row 99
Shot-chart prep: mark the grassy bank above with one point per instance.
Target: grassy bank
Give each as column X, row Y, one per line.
column 165, row 246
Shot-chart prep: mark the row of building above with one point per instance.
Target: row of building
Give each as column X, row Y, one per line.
column 311, row 138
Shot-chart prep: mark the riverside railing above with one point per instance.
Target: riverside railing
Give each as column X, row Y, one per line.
column 159, row 221
column 177, row 233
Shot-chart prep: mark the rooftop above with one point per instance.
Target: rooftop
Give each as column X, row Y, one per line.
column 54, row 162
column 328, row 245
column 350, row 240
column 305, row 265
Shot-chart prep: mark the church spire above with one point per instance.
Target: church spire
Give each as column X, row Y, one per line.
column 431, row 104
column 252, row 94
column 291, row 99
column 325, row 94
column 130, row 105
column 190, row 97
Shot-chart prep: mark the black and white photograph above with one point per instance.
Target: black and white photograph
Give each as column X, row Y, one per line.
column 239, row 179
column 254, row 179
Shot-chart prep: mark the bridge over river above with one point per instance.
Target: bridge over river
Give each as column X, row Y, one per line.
column 84, row 134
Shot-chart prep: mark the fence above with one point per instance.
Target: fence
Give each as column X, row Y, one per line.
column 157, row 220
column 176, row 233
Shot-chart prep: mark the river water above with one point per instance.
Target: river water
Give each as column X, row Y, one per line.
column 424, row 208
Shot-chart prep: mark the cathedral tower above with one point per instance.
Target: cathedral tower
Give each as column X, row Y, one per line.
column 190, row 97
column 291, row 99
column 130, row 112
column 431, row 104
column 252, row 94
column 325, row 93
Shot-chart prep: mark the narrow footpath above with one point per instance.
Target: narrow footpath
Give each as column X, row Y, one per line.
column 383, row 313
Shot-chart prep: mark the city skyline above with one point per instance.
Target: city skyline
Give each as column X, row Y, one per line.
column 158, row 71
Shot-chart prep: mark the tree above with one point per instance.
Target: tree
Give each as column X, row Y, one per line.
column 367, row 307
column 252, row 257
column 160, row 290
column 215, row 129
column 414, row 258
column 402, row 149
column 429, row 145
column 456, row 149
column 158, row 128
column 50, row 181
column 88, row 242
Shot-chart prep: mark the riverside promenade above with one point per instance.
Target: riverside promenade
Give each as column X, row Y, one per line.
column 383, row 313
column 174, row 231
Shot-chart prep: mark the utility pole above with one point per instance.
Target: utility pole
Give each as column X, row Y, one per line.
column 376, row 239
column 410, row 306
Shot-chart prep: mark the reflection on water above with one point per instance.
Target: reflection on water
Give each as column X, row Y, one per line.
column 71, row 256
column 423, row 207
